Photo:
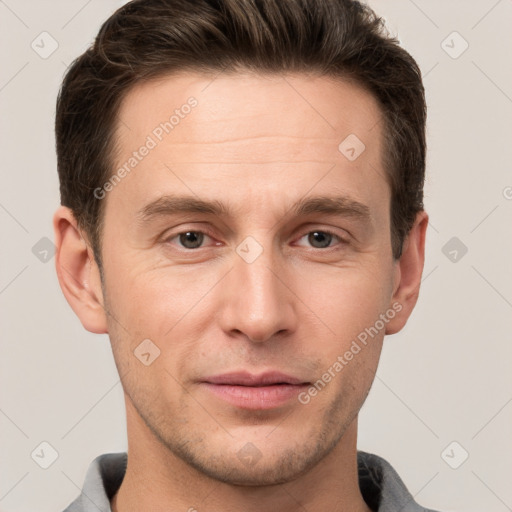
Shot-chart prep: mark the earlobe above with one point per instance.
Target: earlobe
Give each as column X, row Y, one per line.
column 408, row 273
column 78, row 272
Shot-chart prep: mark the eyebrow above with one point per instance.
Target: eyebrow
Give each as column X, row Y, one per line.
column 339, row 205
column 172, row 205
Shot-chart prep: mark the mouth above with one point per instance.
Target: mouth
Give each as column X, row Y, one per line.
column 244, row 390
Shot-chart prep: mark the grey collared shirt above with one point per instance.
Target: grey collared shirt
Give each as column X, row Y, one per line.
column 381, row 487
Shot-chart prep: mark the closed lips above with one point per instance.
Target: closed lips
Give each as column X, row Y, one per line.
column 247, row 379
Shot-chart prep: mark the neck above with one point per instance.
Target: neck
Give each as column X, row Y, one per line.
column 159, row 481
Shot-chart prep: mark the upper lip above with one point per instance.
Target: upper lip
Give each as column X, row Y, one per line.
column 248, row 379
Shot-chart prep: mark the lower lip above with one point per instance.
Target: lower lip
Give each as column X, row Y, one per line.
column 247, row 397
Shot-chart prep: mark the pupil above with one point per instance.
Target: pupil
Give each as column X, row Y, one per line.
column 191, row 239
column 319, row 239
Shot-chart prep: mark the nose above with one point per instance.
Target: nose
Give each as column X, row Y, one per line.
column 257, row 301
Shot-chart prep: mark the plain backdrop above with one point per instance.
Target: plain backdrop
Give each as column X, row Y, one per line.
column 440, row 408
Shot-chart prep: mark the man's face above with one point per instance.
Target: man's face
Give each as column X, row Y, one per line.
column 261, row 286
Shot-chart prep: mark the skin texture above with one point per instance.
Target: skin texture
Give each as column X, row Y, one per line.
column 257, row 144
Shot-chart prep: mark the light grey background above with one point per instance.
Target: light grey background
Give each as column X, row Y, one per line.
column 445, row 378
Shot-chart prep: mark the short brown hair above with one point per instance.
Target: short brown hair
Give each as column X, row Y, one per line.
column 147, row 39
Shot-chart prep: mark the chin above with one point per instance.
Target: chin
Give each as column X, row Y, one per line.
column 251, row 467
column 286, row 468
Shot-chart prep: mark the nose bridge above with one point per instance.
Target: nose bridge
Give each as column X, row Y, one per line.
column 259, row 284
column 258, row 304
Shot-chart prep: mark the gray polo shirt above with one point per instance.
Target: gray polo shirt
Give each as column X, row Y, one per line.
column 381, row 487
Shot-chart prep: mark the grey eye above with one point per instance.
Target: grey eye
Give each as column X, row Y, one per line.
column 319, row 239
column 191, row 239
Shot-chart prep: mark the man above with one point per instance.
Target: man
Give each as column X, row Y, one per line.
column 241, row 187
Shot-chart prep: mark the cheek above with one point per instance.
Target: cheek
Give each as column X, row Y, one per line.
column 151, row 301
column 171, row 307
column 346, row 300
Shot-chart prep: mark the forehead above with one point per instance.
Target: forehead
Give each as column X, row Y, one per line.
column 256, row 131
column 284, row 107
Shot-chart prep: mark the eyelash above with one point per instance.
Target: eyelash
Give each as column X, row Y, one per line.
column 341, row 241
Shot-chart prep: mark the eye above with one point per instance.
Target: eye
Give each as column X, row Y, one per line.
column 189, row 239
column 321, row 239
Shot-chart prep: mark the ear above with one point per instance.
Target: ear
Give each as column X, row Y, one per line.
column 408, row 270
column 78, row 272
